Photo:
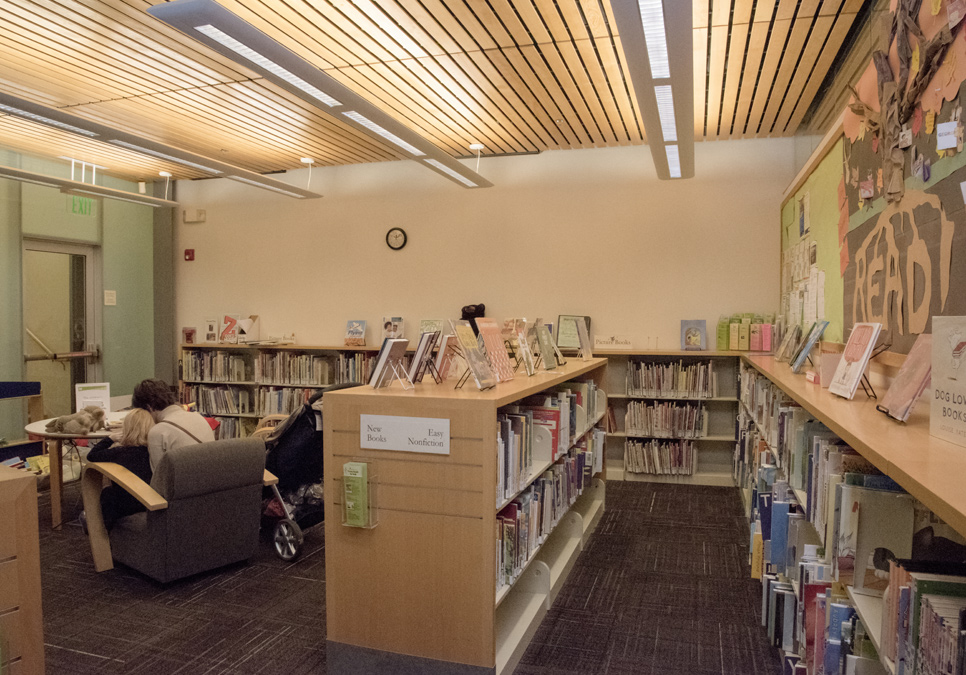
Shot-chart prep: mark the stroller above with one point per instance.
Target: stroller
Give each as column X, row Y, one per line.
column 294, row 455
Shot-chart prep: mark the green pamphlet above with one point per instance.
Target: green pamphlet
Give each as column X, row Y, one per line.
column 355, row 489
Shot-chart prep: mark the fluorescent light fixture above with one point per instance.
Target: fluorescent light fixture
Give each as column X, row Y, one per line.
column 378, row 130
column 249, row 181
column 657, row 38
column 77, row 187
column 652, row 19
column 267, row 64
column 220, row 29
column 439, row 166
column 665, row 108
column 673, row 161
column 162, row 155
column 46, row 120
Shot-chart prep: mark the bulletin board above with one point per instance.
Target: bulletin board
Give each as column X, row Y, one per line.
column 878, row 230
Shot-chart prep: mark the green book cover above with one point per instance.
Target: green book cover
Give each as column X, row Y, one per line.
column 355, row 488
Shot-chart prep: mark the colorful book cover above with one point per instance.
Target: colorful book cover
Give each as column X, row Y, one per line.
column 766, row 337
column 694, row 334
column 495, row 348
column 911, row 380
column 755, row 339
column 430, row 325
column 854, row 359
column 392, row 327
column 744, row 336
column 471, row 353
column 814, row 335
column 355, row 333
column 947, row 414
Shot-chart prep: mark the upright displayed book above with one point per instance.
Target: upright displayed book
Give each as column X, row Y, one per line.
column 492, row 337
column 912, row 379
column 389, row 363
column 392, row 327
column 789, row 342
column 430, row 325
column 471, row 353
column 355, row 333
column 447, row 357
column 567, row 336
column 947, row 415
column 422, row 356
column 814, row 336
column 694, row 334
column 855, row 358
column 548, row 354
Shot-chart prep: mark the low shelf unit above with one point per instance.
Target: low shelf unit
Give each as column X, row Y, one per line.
column 420, row 590
column 696, row 451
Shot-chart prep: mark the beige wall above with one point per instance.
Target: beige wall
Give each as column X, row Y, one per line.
column 565, row 232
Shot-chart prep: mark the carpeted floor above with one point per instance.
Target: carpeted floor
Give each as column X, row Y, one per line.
column 662, row 588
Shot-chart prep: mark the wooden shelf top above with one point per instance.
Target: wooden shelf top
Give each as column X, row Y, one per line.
column 669, row 352
column 929, row 468
column 218, row 346
column 502, row 394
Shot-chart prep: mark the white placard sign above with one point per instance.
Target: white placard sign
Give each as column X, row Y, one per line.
column 406, row 434
column 946, row 135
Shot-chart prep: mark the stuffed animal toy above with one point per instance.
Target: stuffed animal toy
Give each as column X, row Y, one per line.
column 80, row 423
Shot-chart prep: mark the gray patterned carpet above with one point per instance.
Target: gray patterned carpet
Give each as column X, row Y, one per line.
column 661, row 589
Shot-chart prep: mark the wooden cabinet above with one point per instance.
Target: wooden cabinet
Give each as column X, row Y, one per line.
column 21, row 624
column 713, row 441
column 418, row 591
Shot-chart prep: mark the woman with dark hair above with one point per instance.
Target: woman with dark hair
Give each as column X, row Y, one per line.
column 176, row 427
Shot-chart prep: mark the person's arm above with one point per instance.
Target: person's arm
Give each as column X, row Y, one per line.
column 155, row 447
column 99, row 453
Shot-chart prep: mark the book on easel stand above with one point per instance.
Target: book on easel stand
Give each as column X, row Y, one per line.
column 549, row 354
column 389, row 364
column 855, row 358
column 476, row 362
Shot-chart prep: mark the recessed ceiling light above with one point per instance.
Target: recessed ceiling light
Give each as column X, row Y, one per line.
column 652, row 18
column 47, row 120
column 665, row 110
column 385, row 133
column 161, row 155
column 449, row 172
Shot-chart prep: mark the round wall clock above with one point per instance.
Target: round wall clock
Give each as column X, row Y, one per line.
column 396, row 238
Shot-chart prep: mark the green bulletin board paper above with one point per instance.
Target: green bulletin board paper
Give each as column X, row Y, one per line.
column 822, row 187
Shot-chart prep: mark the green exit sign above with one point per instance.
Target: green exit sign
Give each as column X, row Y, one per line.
column 80, row 206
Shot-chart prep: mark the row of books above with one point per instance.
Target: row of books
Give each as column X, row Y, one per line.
column 746, row 332
column 291, row 368
column 235, row 427
column 218, row 400
column 670, row 458
column 672, row 380
column 669, row 420
column 353, row 367
column 282, row 400
column 214, row 366
column 526, row 522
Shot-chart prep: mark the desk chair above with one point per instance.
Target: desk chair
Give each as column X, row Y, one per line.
column 203, row 510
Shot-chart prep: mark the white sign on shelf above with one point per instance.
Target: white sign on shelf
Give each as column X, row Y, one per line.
column 612, row 342
column 405, row 434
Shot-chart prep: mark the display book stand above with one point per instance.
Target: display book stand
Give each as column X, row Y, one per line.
column 419, row 591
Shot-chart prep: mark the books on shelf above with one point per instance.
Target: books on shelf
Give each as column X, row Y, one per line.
column 206, row 365
column 665, row 420
column 912, row 379
column 671, row 380
column 355, row 333
column 671, row 458
column 855, row 358
column 694, row 334
column 947, row 413
column 354, row 367
column 285, row 367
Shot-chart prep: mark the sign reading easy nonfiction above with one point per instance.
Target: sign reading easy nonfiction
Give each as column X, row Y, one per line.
column 408, row 434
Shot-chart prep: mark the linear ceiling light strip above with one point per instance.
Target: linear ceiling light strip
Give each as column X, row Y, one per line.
column 53, row 117
column 77, row 187
column 225, row 32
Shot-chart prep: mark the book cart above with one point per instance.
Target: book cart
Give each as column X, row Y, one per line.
column 418, row 592
column 929, row 468
column 713, row 442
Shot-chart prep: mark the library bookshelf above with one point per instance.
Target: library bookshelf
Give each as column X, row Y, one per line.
column 928, row 468
column 714, row 444
column 240, row 383
column 419, row 590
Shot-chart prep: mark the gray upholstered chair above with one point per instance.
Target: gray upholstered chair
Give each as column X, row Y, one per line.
column 203, row 510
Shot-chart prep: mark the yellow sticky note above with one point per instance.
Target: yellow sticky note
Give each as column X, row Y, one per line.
column 936, row 5
column 914, row 63
column 930, row 122
column 878, row 179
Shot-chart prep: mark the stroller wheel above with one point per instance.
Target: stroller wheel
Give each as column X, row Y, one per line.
column 287, row 539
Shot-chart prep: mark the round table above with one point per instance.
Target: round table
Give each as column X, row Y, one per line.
column 39, row 429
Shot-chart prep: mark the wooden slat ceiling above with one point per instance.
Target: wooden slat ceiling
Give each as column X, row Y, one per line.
column 519, row 76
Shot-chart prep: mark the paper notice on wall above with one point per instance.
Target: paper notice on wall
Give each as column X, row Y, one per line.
column 946, row 135
column 820, row 296
column 795, row 308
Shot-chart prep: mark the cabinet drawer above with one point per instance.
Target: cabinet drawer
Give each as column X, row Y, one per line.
column 9, row 586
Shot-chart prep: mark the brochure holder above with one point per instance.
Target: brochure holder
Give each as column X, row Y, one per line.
column 372, row 512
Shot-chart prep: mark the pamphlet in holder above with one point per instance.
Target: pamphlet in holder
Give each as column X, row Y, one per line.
column 586, row 350
column 359, row 491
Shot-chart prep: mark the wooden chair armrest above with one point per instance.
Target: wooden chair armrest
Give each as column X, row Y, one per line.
column 136, row 487
column 269, row 478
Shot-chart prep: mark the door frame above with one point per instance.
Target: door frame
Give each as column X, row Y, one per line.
column 94, row 282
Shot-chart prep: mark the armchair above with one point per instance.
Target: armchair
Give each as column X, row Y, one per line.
column 203, row 510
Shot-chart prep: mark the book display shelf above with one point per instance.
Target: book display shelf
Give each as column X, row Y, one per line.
column 419, row 592
column 775, row 404
column 675, row 416
column 238, row 384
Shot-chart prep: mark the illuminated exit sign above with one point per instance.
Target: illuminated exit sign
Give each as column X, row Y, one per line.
column 80, row 206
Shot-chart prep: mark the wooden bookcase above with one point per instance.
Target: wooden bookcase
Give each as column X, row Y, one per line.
column 21, row 613
column 253, row 378
column 418, row 591
column 714, row 450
